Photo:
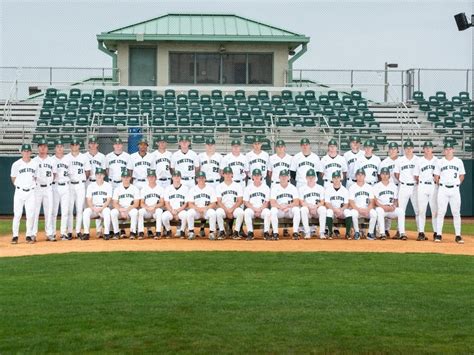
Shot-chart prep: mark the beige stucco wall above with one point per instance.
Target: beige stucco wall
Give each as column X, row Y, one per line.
column 280, row 56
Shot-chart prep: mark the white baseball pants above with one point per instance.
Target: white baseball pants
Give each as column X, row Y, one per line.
column 294, row 213
column 249, row 216
column 382, row 215
column 427, row 194
column 77, row 195
column 61, row 195
column 88, row 214
column 372, row 215
column 238, row 215
column 452, row 197
column 132, row 216
column 210, row 215
column 44, row 197
column 306, row 215
column 167, row 217
column 144, row 214
column 24, row 199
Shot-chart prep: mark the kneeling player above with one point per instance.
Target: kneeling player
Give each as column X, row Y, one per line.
column 151, row 202
column 229, row 199
column 257, row 200
column 336, row 197
column 386, row 199
column 312, row 204
column 175, row 203
column 284, row 201
column 202, row 203
column 98, row 197
column 126, row 199
column 361, row 200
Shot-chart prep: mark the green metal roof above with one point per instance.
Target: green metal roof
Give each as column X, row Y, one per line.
column 202, row 27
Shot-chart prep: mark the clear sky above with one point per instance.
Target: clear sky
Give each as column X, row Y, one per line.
column 344, row 34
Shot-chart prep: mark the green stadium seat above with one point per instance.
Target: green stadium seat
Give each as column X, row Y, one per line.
column 84, row 110
column 229, row 100
column 59, row 109
column 68, row 127
column 70, row 115
column 182, row 100
column 439, row 128
column 133, row 121
column 368, row 116
column 134, row 99
column 230, row 111
column 45, row 114
column 122, row 94
column 358, row 121
column 283, row 122
column 195, row 116
column 218, row 106
column 158, row 121
column 279, row 111
column 170, row 106
column 356, row 95
column 208, row 111
column 48, row 103
column 277, row 100
column 441, row 112
column 184, row 121
column 107, row 121
column 433, row 117
column 121, row 105
column 333, row 95
column 456, row 101
column 441, row 96
column 464, row 96
column 337, row 105
column 51, row 93
column 256, row 111
column 73, row 104
column 418, row 97
column 449, row 122
column 324, row 100
column 263, row 95
column 56, row 120
column 205, row 100
column 245, row 116
column 352, row 111
column 457, row 117
column 146, row 95
column 170, row 116
column 98, row 94
column 289, row 107
column 146, row 105
column 97, row 105
column 61, row 98
column 170, row 95
column 198, row 139
column 334, row 122
column 158, row 110
column 465, row 111
column 300, row 100
column 424, row 107
column 433, row 101
column 347, row 100
column 328, row 111
column 309, row 122
column 310, row 95
column 172, row 139
column 343, row 116
column 450, row 139
column 259, row 122
column 158, row 100
column 86, row 99
column 303, row 111
column 468, row 146
column 110, row 99
column 208, row 122
column 381, row 140
column 374, row 127
column 252, row 100
column 133, row 110
column 362, row 106
column 448, row 106
column 287, row 95
column 239, row 95
column 193, row 95
column 216, row 95
column 82, row 121
column 75, row 94
column 314, row 107
column 183, row 111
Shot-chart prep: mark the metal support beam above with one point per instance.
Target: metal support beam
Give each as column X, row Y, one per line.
column 303, row 50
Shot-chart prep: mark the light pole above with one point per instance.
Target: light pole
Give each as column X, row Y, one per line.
column 385, row 92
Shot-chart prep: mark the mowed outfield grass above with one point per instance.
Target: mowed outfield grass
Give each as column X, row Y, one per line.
column 215, row 302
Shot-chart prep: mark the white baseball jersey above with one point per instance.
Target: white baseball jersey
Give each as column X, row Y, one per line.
column 330, row 165
column 210, row 165
column 370, row 166
column 201, row 197
column 46, row 170
column 229, row 193
column 258, row 161
column 116, row 163
column 162, row 162
column 361, row 195
column 283, row 195
column 277, row 164
column 312, row 195
column 140, row 165
column 385, row 194
column 95, row 161
column 151, row 195
column 406, row 169
column 62, row 169
column 176, row 197
column 78, row 165
column 449, row 171
column 126, row 196
column 425, row 168
column 24, row 173
column 99, row 193
column 337, row 198
column 238, row 164
column 301, row 164
column 351, row 159
column 186, row 164
column 256, row 195
column 390, row 164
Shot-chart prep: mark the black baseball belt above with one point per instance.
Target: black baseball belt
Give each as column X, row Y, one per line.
column 26, row 190
column 408, row 183
column 449, row 186
column 77, row 182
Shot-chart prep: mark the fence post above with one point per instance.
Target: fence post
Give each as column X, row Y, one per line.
column 50, row 75
column 352, row 78
column 419, row 80
column 467, row 80
column 103, row 76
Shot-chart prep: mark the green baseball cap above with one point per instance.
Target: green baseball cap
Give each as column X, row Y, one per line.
column 235, row 142
column 428, row 144
column 151, row 172
column 210, row 141
column 393, row 145
column 310, row 172
column 160, row 138
column 118, row 140
column 93, row 139
column 227, row 170
column 75, row 141
column 284, row 172
column 184, row 138
column 332, row 142
column 26, row 147
column 408, row 144
column 337, row 173
column 125, row 173
column 58, row 142
column 42, row 141
column 256, row 172
column 142, row 141
column 201, row 174
column 176, row 173
column 448, row 145
column 385, row 170
column 304, row 141
column 355, row 139
column 99, row 171
column 369, row 143
column 360, row 171
column 280, row 143
column 258, row 139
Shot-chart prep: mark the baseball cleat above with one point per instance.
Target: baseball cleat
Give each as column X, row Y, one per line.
column 421, row 236
column 180, row 234
column 212, row 236
column 242, row 234
column 64, row 237
column 79, row 235
column 202, row 232
column 356, row 236
column 250, row 235
column 150, row 233
column 396, row 236
column 286, row 234
column 275, row 236
column 116, row 236
column 221, row 235
column 133, row 235
column 296, row 236
column 69, row 236
column 85, row 236
column 403, row 236
column 370, row 236
column 337, row 234
column 236, row 236
column 307, row 237
column 50, row 238
column 141, row 236
column 438, row 238
column 14, row 240
column 348, row 237
column 383, row 236
column 191, row 236
column 434, row 235
column 323, row 236
column 266, row 236
column 168, row 234
column 157, row 236
column 29, row 240
column 459, row 239
column 387, row 234
column 106, row 236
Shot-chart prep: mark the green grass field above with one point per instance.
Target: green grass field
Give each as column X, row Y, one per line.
column 237, row 302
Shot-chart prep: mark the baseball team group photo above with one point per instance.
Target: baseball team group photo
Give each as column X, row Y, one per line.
column 236, row 177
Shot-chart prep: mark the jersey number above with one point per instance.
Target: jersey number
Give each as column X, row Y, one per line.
column 190, row 168
column 80, row 171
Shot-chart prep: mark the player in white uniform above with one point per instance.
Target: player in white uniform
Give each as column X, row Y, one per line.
column 303, row 161
column 96, row 158
column 386, row 196
column 336, row 198
column 332, row 162
column 79, row 170
column 449, row 174
column 285, row 202
column 404, row 172
column 210, row 163
column 186, row 162
column 361, row 201
column 201, row 201
column 175, row 203
column 98, row 198
column 279, row 161
column 237, row 162
column 125, row 202
column 427, row 189
column 44, row 190
column 229, row 199
column 391, row 161
column 370, row 163
column 23, row 176
column 162, row 163
column 257, row 158
column 61, row 191
column 139, row 163
column 115, row 162
column 312, row 204
column 151, row 202
column 351, row 157
column 257, row 201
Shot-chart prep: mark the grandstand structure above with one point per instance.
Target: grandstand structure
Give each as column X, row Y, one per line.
column 210, row 76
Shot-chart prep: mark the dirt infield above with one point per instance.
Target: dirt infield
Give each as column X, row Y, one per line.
column 448, row 246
